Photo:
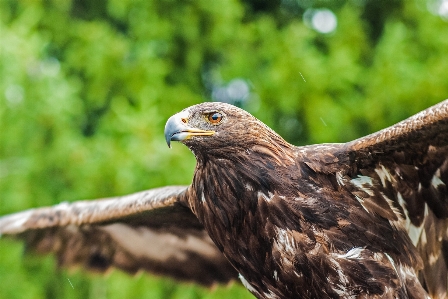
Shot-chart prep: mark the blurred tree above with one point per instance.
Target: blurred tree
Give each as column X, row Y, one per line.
column 87, row 86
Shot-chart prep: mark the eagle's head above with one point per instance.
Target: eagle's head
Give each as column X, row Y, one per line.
column 218, row 129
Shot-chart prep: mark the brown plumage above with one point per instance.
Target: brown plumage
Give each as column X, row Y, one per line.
column 364, row 219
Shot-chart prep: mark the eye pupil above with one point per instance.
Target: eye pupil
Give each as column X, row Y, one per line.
column 215, row 117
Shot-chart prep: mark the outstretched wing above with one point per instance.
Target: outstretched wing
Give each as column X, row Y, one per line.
column 152, row 230
column 401, row 174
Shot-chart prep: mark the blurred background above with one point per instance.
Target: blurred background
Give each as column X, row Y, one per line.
column 87, row 85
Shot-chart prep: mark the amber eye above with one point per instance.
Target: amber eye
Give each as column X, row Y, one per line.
column 215, row 118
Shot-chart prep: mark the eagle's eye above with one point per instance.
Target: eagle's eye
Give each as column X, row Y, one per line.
column 214, row 118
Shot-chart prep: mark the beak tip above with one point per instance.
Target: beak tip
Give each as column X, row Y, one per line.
column 168, row 142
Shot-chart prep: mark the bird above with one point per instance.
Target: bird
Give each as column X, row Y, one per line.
column 362, row 219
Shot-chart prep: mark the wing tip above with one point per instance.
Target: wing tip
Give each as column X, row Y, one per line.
column 14, row 223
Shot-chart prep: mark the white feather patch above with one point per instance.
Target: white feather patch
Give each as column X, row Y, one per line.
column 436, row 181
column 285, row 241
column 360, row 181
column 270, row 295
column 246, row 284
column 433, row 258
column 384, row 175
column 354, row 253
column 267, row 197
column 202, row 197
column 275, row 276
column 249, row 187
column 415, row 232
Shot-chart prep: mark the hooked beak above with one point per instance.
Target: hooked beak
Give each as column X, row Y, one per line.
column 177, row 129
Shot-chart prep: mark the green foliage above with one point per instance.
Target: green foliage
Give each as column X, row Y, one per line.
column 87, row 87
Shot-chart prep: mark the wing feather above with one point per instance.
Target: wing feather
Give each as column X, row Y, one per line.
column 152, row 230
column 428, row 126
column 406, row 166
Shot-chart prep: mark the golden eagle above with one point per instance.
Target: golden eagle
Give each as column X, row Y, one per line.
column 363, row 219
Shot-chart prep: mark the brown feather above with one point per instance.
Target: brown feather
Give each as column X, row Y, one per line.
column 364, row 219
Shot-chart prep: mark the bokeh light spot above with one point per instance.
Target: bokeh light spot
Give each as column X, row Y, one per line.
column 321, row 20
